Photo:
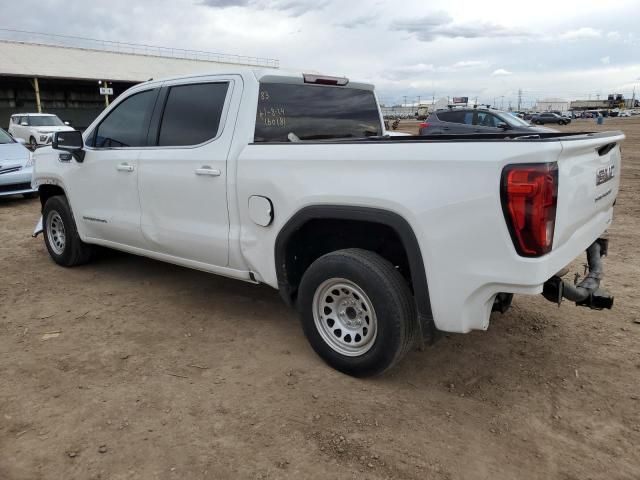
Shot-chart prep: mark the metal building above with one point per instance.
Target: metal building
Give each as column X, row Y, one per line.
column 60, row 74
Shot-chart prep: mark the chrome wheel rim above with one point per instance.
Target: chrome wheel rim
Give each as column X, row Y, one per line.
column 344, row 317
column 56, row 232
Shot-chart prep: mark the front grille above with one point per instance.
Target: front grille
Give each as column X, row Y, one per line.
column 16, row 187
column 10, row 170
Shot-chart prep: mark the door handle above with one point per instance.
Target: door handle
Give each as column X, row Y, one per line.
column 125, row 167
column 205, row 170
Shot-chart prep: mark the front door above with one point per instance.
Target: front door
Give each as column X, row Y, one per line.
column 183, row 180
column 486, row 122
column 104, row 188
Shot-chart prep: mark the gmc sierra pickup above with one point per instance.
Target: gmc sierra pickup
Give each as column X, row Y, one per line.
column 290, row 179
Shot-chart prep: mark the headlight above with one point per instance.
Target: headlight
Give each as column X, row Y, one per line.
column 43, row 138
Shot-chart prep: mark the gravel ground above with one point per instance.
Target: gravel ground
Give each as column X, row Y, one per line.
column 129, row 368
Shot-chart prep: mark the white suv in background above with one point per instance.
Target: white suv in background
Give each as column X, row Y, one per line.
column 36, row 128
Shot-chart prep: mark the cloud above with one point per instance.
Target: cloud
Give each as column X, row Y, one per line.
column 362, row 21
column 501, row 72
column 581, row 33
column 292, row 7
column 420, row 69
column 606, row 60
column 440, row 24
column 470, row 64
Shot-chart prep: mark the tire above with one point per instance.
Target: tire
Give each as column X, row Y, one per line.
column 30, row 195
column 377, row 336
column 61, row 235
column 33, row 144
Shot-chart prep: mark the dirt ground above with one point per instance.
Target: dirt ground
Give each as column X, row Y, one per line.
column 129, row 368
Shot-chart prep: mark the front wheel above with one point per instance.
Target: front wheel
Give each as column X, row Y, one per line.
column 357, row 312
column 61, row 235
column 33, row 144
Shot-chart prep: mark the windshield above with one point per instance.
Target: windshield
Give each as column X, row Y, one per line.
column 514, row 121
column 5, row 137
column 290, row 112
column 45, row 121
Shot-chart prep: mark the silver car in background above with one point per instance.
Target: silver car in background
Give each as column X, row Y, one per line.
column 16, row 167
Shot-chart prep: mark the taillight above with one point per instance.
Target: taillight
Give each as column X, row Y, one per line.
column 424, row 125
column 529, row 194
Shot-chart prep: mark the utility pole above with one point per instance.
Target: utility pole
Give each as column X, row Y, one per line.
column 501, row 102
column 36, row 88
column 418, row 100
column 519, row 98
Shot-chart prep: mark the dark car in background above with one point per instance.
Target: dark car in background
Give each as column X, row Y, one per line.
column 549, row 117
column 476, row 120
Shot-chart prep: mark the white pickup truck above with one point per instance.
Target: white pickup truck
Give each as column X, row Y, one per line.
column 290, row 180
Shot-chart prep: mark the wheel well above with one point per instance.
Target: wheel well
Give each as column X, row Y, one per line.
column 320, row 229
column 317, row 237
column 48, row 191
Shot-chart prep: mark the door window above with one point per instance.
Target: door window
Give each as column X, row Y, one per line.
column 192, row 114
column 127, row 124
column 456, row 116
column 486, row 119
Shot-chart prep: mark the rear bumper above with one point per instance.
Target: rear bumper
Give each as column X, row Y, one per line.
column 467, row 304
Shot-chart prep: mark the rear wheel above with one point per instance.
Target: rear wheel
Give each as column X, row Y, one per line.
column 61, row 235
column 357, row 312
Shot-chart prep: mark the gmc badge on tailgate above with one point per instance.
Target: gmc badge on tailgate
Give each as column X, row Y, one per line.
column 604, row 174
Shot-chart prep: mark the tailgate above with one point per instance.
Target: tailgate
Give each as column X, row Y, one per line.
column 588, row 183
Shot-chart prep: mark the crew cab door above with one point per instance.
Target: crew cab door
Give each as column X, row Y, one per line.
column 104, row 187
column 454, row 122
column 183, row 175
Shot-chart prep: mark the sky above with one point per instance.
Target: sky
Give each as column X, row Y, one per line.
column 407, row 48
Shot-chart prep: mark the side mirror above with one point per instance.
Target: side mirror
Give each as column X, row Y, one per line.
column 69, row 142
column 24, row 124
column 67, row 123
column 503, row 125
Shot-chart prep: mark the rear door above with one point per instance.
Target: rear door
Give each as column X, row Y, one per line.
column 19, row 130
column 183, row 175
column 455, row 121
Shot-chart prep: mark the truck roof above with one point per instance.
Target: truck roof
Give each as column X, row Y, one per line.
column 267, row 74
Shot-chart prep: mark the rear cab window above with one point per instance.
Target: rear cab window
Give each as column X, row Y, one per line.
column 288, row 112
